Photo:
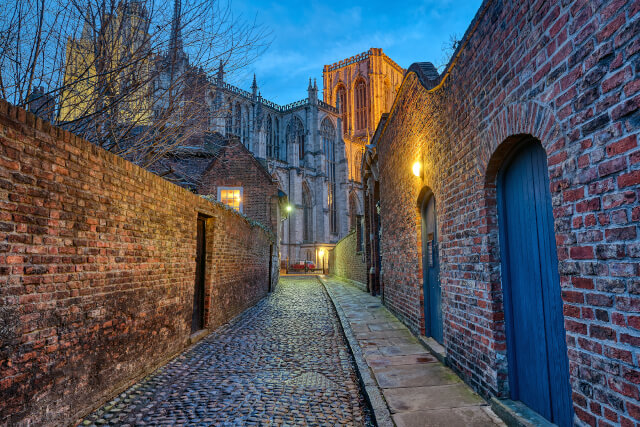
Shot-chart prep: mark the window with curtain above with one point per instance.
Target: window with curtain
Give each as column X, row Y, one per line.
column 231, row 196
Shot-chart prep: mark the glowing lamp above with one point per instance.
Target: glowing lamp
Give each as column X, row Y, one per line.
column 321, row 252
column 417, row 168
column 289, row 208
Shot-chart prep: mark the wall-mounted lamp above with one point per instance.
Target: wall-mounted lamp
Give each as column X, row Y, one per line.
column 289, row 208
column 417, row 169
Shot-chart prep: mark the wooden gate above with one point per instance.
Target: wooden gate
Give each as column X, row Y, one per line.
column 536, row 347
column 431, row 270
column 197, row 318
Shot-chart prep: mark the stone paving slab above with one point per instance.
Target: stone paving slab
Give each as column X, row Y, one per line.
column 410, row 359
column 422, row 398
column 431, row 374
column 473, row 416
column 283, row 362
column 417, row 388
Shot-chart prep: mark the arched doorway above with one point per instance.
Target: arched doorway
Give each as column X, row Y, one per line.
column 536, row 347
column 431, row 269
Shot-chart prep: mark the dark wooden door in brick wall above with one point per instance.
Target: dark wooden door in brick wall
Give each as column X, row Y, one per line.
column 431, row 271
column 197, row 319
column 537, row 353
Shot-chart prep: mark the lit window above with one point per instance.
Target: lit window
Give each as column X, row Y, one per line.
column 231, row 196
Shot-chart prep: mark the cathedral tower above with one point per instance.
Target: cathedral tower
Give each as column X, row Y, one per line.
column 366, row 84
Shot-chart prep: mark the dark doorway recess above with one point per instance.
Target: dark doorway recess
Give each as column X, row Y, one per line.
column 197, row 319
column 431, row 269
column 270, row 286
column 536, row 346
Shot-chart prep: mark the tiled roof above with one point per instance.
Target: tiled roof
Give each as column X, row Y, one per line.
column 426, row 72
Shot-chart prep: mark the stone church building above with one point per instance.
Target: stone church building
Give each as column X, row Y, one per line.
column 301, row 148
column 312, row 148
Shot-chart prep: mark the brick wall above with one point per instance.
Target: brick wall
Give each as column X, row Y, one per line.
column 97, row 268
column 566, row 73
column 346, row 262
column 235, row 166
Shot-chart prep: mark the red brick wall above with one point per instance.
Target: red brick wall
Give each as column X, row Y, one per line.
column 236, row 167
column 97, row 268
column 566, row 73
column 346, row 262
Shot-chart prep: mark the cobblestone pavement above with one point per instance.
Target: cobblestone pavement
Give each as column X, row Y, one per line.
column 282, row 362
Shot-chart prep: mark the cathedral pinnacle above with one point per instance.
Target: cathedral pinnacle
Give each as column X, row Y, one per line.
column 254, row 85
column 313, row 92
column 86, row 28
column 220, row 78
column 175, row 43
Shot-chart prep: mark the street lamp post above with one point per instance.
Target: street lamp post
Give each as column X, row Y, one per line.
column 321, row 253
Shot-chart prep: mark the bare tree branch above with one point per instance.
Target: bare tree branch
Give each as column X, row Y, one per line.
column 133, row 77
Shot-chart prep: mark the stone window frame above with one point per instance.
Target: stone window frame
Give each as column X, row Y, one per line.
column 328, row 134
column 219, row 196
column 307, row 214
column 360, row 104
column 341, row 92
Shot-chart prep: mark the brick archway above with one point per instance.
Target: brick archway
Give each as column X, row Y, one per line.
column 518, row 118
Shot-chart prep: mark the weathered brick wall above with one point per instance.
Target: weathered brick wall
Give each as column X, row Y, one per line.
column 346, row 262
column 566, row 73
column 236, row 167
column 97, row 269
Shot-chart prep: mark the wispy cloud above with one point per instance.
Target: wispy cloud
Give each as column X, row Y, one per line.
column 308, row 35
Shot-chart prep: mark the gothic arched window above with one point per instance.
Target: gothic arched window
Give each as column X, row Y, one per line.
column 307, row 231
column 276, row 139
column 388, row 97
column 356, row 164
column 361, row 105
column 269, row 135
column 245, row 127
column 237, row 120
column 228, row 126
column 295, row 133
column 342, row 95
column 328, row 134
column 353, row 210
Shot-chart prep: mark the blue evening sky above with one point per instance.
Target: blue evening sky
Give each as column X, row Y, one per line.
column 306, row 35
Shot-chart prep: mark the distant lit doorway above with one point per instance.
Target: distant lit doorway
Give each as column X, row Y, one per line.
column 431, row 270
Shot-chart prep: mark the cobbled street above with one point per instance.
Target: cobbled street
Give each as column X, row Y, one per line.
column 282, row 362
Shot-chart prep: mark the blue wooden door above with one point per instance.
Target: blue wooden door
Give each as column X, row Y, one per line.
column 536, row 346
column 431, row 271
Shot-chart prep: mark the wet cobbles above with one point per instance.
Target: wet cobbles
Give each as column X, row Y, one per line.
column 282, row 362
